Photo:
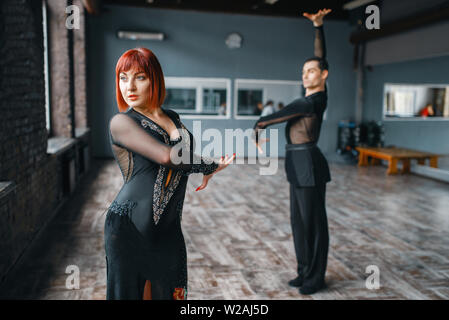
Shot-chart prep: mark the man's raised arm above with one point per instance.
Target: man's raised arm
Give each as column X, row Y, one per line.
column 319, row 43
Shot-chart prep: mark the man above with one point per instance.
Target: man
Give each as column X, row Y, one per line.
column 306, row 167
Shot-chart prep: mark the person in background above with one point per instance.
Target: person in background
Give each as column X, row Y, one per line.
column 222, row 109
column 427, row 111
column 258, row 109
column 280, row 106
column 268, row 108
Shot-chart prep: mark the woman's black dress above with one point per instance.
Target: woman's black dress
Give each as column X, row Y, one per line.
column 142, row 232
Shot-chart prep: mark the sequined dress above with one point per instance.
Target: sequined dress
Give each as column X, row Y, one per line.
column 144, row 244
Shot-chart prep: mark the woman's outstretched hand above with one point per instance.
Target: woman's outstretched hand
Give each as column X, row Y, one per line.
column 317, row 18
column 222, row 163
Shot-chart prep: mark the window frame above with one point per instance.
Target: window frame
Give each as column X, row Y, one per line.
column 199, row 83
column 46, row 70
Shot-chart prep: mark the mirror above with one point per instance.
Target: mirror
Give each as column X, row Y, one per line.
column 416, row 101
column 198, row 97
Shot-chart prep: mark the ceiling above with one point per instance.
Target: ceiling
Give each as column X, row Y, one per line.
column 283, row 8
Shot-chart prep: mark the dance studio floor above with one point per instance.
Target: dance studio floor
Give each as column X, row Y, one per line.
column 239, row 241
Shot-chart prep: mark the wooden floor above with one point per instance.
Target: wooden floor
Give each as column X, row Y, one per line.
column 239, row 240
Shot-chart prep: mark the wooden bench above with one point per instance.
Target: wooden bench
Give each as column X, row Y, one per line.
column 393, row 155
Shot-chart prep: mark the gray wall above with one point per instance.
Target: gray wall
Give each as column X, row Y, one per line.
column 426, row 42
column 427, row 135
column 392, row 10
column 273, row 48
column 416, row 56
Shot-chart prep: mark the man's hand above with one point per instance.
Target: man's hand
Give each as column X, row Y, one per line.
column 256, row 137
column 317, row 18
column 260, row 143
column 223, row 163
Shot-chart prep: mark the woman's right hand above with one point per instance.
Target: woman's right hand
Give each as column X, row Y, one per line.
column 222, row 163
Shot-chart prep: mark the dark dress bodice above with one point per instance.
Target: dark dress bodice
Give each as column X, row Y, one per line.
column 143, row 235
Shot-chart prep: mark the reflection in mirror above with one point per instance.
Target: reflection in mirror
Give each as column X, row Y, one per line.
column 248, row 100
column 416, row 101
column 181, row 99
column 214, row 101
column 209, row 97
column 256, row 97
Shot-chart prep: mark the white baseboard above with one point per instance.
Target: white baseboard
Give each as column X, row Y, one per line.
column 425, row 171
column 434, row 173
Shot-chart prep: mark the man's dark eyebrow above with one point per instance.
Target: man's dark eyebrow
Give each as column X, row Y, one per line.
column 310, row 68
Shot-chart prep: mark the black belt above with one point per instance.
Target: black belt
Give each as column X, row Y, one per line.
column 302, row 146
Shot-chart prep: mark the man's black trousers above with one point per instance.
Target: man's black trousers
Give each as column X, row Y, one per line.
column 310, row 232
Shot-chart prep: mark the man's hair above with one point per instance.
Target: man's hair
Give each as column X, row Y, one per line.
column 322, row 63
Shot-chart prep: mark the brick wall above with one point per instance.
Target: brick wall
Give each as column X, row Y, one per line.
column 59, row 68
column 23, row 139
column 36, row 177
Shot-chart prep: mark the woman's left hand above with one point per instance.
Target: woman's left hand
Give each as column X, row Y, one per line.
column 223, row 163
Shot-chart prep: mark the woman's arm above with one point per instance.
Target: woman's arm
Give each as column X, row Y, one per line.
column 127, row 133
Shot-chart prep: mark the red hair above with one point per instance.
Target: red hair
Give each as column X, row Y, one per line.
column 145, row 61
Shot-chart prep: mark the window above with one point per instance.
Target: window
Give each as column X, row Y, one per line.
column 251, row 92
column 183, row 100
column 213, row 99
column 247, row 101
column 46, row 67
column 416, row 101
column 198, row 97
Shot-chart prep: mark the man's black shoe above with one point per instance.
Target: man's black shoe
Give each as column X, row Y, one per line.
column 297, row 282
column 311, row 289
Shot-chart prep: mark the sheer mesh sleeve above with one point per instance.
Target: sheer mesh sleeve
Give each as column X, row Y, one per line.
column 297, row 108
column 201, row 164
column 319, row 44
column 319, row 50
column 125, row 132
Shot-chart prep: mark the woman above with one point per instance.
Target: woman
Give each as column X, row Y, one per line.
column 145, row 248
